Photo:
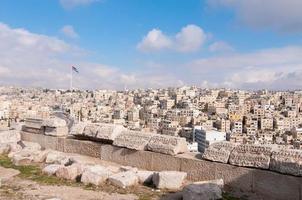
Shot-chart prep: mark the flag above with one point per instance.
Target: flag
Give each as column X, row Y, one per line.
column 75, row 69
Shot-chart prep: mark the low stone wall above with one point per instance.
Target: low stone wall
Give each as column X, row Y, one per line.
column 267, row 184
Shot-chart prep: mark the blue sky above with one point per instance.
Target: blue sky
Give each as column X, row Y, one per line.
column 152, row 43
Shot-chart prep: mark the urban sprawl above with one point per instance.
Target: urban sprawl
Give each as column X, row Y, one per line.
column 202, row 116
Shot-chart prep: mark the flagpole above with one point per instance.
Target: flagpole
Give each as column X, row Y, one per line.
column 71, row 79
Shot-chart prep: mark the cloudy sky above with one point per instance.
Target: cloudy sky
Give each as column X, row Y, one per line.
column 249, row 44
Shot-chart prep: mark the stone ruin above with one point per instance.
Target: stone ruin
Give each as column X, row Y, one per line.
column 53, row 126
column 287, row 161
column 251, row 156
column 219, row 152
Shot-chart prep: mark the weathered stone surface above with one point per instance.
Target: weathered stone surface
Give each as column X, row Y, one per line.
column 7, row 173
column 219, row 152
column 69, row 172
column 51, row 169
column 4, row 148
column 40, row 156
column 287, row 161
column 171, row 180
column 78, row 129
column 19, row 159
column 98, row 131
column 56, row 131
column 30, row 146
column 144, row 177
column 54, row 122
column 167, row 144
column 33, row 123
column 95, row 175
column 124, row 179
column 133, row 140
column 128, row 168
column 206, row 190
column 247, row 155
column 55, row 157
column 10, row 136
column 109, row 131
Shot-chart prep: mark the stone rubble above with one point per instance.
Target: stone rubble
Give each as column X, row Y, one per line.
column 167, row 144
column 124, row 179
column 171, row 180
column 205, row 190
column 287, row 161
column 95, row 175
column 219, row 152
column 136, row 140
column 248, row 155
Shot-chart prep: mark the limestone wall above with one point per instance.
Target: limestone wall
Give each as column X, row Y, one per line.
column 268, row 184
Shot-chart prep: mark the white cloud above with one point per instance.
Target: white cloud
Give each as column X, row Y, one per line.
column 271, row 68
column 29, row 59
column 189, row 39
column 220, row 46
column 73, row 3
column 281, row 15
column 155, row 40
column 69, row 31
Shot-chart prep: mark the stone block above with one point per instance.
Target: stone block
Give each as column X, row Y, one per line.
column 83, row 147
column 287, row 161
column 247, row 155
column 167, row 144
column 198, row 170
column 95, row 175
column 219, row 152
column 69, row 172
column 171, row 180
column 207, row 190
column 133, row 140
column 140, row 159
column 113, row 154
column 162, row 162
column 51, row 169
column 124, row 179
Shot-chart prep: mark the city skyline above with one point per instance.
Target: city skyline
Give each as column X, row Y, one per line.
column 214, row 43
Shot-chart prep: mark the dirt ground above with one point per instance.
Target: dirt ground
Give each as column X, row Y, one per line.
column 19, row 189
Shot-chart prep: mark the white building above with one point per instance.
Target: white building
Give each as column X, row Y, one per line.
column 204, row 138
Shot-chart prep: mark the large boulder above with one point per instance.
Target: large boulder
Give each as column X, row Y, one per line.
column 69, row 172
column 124, row 179
column 10, row 136
column 206, row 190
column 167, row 144
column 95, row 175
column 171, row 180
column 219, row 151
column 133, row 140
column 51, row 169
column 248, row 155
column 7, row 173
column 287, row 161
column 40, row 156
column 56, row 157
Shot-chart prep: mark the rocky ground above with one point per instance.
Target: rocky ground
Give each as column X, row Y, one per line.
column 29, row 183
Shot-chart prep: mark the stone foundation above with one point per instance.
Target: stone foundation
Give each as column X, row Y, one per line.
column 268, row 184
